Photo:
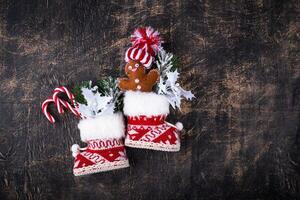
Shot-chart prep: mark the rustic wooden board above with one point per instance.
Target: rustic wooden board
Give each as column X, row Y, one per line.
column 240, row 58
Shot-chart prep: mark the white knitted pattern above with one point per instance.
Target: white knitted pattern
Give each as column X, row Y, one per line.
column 152, row 145
column 101, row 167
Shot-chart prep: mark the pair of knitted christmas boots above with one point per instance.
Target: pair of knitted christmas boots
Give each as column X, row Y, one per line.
column 148, row 91
column 104, row 135
column 143, row 97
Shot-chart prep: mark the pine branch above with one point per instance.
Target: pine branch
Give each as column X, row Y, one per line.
column 78, row 93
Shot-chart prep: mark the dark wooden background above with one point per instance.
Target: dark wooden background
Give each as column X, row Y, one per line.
column 240, row 58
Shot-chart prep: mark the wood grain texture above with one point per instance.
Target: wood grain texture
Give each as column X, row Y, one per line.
column 240, row 58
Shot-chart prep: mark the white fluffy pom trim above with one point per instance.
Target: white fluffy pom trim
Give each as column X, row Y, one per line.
column 179, row 126
column 145, row 103
column 104, row 126
column 75, row 150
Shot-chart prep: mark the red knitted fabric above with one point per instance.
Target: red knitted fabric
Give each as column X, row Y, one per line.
column 152, row 133
column 100, row 155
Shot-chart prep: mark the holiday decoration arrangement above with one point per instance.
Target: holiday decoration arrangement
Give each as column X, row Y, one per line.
column 125, row 112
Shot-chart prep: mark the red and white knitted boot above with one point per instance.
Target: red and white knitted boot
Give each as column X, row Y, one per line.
column 146, row 113
column 105, row 148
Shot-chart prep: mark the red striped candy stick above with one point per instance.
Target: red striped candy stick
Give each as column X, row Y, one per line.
column 45, row 111
column 69, row 107
column 60, row 103
column 57, row 99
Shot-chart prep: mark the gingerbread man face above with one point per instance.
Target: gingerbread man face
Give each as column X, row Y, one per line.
column 134, row 69
column 138, row 79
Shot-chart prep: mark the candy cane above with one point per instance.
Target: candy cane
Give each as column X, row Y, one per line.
column 57, row 100
column 65, row 90
column 44, row 109
column 72, row 107
column 69, row 107
column 60, row 103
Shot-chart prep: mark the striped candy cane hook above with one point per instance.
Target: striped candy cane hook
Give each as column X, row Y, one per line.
column 45, row 109
column 57, row 99
column 69, row 107
column 60, row 104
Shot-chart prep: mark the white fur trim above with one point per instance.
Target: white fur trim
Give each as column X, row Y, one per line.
column 104, row 126
column 145, row 103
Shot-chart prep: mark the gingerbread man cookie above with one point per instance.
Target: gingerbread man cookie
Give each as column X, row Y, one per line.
column 145, row 44
column 138, row 79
